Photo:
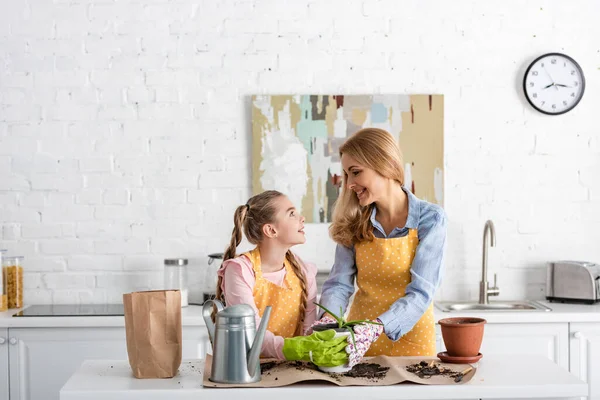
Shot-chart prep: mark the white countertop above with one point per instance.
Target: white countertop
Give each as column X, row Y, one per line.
column 497, row 377
column 192, row 316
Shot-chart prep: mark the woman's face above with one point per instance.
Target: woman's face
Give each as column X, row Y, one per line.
column 367, row 184
column 289, row 223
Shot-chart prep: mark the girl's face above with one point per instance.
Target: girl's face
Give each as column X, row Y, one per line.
column 289, row 224
column 367, row 184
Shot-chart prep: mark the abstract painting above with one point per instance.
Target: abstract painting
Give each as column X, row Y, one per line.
column 296, row 140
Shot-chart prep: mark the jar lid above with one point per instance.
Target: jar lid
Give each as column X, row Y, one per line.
column 176, row 261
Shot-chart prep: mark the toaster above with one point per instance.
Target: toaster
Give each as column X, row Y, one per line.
column 573, row 282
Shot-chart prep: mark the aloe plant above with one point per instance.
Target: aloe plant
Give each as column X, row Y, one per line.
column 342, row 323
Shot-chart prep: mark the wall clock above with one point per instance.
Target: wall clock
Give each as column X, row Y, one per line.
column 554, row 83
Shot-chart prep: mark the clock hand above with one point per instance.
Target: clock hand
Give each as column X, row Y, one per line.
column 559, row 84
column 549, row 76
column 548, row 73
column 546, row 87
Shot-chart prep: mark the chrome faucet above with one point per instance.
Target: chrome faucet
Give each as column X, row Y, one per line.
column 484, row 288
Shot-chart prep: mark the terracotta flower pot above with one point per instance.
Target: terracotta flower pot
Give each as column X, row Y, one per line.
column 462, row 335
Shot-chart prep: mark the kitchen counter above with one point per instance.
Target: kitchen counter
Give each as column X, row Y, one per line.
column 497, row 377
column 560, row 313
column 190, row 316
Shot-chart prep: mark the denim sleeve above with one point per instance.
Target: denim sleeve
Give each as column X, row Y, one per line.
column 426, row 273
column 339, row 287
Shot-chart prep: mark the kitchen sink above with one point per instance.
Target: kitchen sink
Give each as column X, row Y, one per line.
column 525, row 305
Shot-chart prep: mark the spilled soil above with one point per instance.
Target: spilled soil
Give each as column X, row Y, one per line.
column 370, row 371
column 367, row 370
column 265, row 367
column 425, row 370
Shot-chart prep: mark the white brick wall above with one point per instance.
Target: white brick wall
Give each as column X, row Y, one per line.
column 125, row 134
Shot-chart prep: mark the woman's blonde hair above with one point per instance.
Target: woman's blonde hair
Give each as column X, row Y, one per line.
column 251, row 217
column 376, row 149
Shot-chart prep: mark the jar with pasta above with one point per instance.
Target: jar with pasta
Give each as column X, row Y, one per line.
column 3, row 297
column 12, row 274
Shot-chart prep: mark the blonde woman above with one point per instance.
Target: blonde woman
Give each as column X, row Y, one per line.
column 391, row 243
column 271, row 275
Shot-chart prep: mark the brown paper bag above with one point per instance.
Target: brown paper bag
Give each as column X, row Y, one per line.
column 153, row 330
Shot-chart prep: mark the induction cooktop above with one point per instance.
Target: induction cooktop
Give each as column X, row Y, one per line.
column 71, row 310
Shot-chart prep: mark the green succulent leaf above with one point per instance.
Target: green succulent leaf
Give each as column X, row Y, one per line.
column 352, row 334
column 363, row 321
column 342, row 323
column 339, row 319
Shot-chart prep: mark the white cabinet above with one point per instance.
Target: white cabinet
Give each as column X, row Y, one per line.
column 43, row 359
column 585, row 355
column 550, row 340
column 3, row 363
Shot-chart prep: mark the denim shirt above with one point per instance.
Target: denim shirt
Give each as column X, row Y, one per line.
column 426, row 268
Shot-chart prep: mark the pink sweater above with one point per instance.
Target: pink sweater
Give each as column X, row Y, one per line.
column 238, row 284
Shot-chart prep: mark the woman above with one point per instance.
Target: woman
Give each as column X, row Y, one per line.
column 391, row 242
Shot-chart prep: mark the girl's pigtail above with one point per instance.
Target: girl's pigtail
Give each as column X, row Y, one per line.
column 236, row 238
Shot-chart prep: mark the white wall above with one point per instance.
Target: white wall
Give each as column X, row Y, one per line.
column 125, row 128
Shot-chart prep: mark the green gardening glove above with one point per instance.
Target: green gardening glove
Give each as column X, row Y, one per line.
column 320, row 347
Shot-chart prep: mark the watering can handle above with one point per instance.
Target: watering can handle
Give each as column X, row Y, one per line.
column 206, row 313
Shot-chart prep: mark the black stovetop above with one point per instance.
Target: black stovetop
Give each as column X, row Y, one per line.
column 71, row 310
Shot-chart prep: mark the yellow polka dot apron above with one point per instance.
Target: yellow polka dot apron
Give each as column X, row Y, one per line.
column 285, row 301
column 383, row 272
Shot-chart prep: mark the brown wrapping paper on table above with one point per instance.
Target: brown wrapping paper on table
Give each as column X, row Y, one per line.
column 289, row 372
column 153, row 330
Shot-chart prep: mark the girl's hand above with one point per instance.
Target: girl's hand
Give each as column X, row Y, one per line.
column 364, row 336
column 321, row 348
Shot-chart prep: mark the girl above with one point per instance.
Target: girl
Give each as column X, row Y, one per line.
column 272, row 275
column 391, row 242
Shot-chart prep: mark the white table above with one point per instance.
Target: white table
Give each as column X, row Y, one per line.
column 497, row 378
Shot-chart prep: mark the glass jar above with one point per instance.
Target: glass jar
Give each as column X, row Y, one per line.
column 3, row 296
column 12, row 276
column 176, row 277
column 210, row 276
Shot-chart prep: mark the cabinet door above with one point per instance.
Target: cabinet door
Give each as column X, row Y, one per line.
column 4, row 364
column 43, row 359
column 549, row 340
column 585, row 355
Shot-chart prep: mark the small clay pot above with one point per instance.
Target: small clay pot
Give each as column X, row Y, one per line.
column 462, row 335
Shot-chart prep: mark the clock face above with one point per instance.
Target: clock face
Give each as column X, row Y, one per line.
column 554, row 83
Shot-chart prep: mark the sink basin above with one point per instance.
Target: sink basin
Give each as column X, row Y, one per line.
column 525, row 305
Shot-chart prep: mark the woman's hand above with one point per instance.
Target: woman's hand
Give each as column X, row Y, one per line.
column 324, row 320
column 364, row 336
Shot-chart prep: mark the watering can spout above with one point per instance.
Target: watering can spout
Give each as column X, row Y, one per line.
column 254, row 354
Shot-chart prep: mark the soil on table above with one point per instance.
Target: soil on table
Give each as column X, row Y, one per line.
column 425, row 370
column 367, row 370
column 266, row 367
column 370, row 371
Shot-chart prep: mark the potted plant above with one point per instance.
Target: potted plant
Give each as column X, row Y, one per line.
column 342, row 328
